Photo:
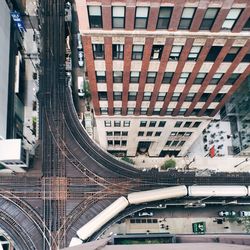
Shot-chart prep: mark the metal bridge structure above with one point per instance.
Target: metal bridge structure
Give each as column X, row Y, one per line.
column 78, row 178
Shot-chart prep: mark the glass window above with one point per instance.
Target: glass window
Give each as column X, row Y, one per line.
column 187, row 124
column 162, row 124
column 175, row 52
column 174, row 143
column 152, row 124
column 246, row 58
column 167, row 77
column 156, row 111
column 102, row 96
column 98, row 51
column 178, row 124
column 137, row 52
column 118, row 17
column 161, row 96
column 124, row 133
column 100, row 76
column 194, row 53
column 117, row 96
column 117, row 50
column 117, row 76
column 216, row 78
column 189, row 97
column 196, row 124
column 124, row 143
column 104, row 111
column 183, row 77
column 117, row 143
column 204, row 97
column 169, row 111
column 143, row 123
column 132, row 96
column 213, row 53
column 149, row 133
column 247, row 25
column 110, row 143
column 95, row 16
column 181, row 143
column 168, row 143
column 130, row 111
column 147, row 96
column 156, row 52
column 182, row 111
column 164, row 17
column 117, row 111
column 151, row 76
column 209, row 18
column 231, row 19
column 107, row 123
column 232, row 79
column 186, row 18
column 140, row 133
column 188, row 134
column 117, row 123
column 218, row 97
column 109, row 133
column 175, row 97
column 144, row 111
column 199, row 78
column 141, row 17
column 126, row 123
column 117, row 133
column 134, row 76
column 158, row 133
column 232, row 54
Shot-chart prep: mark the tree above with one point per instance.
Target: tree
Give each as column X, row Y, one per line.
column 168, row 164
column 126, row 159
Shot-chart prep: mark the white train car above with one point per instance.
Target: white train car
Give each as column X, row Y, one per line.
column 102, row 218
column 248, row 190
column 157, row 194
column 217, row 191
column 75, row 242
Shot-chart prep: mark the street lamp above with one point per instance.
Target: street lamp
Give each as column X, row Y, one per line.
column 246, row 160
column 187, row 165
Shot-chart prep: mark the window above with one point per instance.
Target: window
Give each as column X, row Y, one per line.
column 162, row 124
column 175, row 52
column 117, row 96
column 174, row 143
column 98, row 50
column 140, row 133
column 213, row 53
column 246, row 58
column 95, row 16
column 209, row 19
column 181, row 143
column 149, row 133
column 132, row 96
column 232, row 54
column 194, row 53
column 169, row 111
column 199, row 78
column 167, row 77
column 107, row 123
column 175, row 97
column 109, row 133
column 137, row 52
column 100, row 76
column 204, row 97
column 178, row 124
column 219, row 97
column 102, row 96
column 118, row 17
column 187, row 124
column 186, row 18
column 130, row 111
column 143, row 124
column 117, row 50
column 152, row 124
column 195, row 111
column 158, row 133
column 232, row 79
column 164, row 17
column 183, row 77
column 117, row 133
column 196, row 124
column 126, row 123
column 156, row 111
column 156, row 52
column 117, row 111
column 110, row 143
column 144, row 111
column 231, row 19
column 247, row 25
column 124, row 143
column 117, row 143
column 117, row 76
column 117, row 123
column 189, row 97
column 151, row 76
column 134, row 76
column 182, row 111
column 104, row 111
column 124, row 133
column 173, row 133
column 147, row 96
column 161, row 96
column 141, row 17
column 168, row 143
column 216, row 78
column 187, row 134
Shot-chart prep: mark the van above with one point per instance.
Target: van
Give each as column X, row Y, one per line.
column 244, row 213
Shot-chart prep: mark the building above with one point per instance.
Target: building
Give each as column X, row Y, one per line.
column 159, row 71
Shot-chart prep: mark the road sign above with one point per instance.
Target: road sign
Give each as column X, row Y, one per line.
column 199, row 227
column 18, row 20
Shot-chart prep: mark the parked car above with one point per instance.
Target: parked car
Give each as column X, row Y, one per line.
column 244, row 213
column 80, row 58
column 227, row 213
column 79, row 42
column 145, row 214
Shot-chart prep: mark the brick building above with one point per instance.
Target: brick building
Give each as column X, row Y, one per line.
column 160, row 70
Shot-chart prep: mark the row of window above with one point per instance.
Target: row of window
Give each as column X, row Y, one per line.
column 132, row 96
column 151, row 124
column 164, row 16
column 120, row 143
column 117, row 133
column 175, row 143
column 167, row 77
column 180, row 134
column 156, row 111
column 156, row 53
column 149, row 133
column 179, row 124
column 117, row 123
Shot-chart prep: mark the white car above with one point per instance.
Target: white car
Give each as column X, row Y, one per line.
column 80, row 58
column 79, row 41
column 244, row 213
column 145, row 214
column 227, row 213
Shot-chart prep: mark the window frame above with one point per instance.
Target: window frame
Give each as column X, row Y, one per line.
column 141, row 18
column 118, row 17
column 119, row 52
column 95, row 52
column 137, row 55
column 134, row 79
column 189, row 19
column 118, row 79
column 165, row 18
column 211, row 20
column 151, row 79
column 100, row 26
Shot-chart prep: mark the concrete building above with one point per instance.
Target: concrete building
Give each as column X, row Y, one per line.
column 159, row 71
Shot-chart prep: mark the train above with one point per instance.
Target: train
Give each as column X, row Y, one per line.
column 136, row 198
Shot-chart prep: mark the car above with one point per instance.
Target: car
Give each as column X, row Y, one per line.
column 80, row 58
column 79, row 42
column 227, row 213
column 145, row 214
column 244, row 213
